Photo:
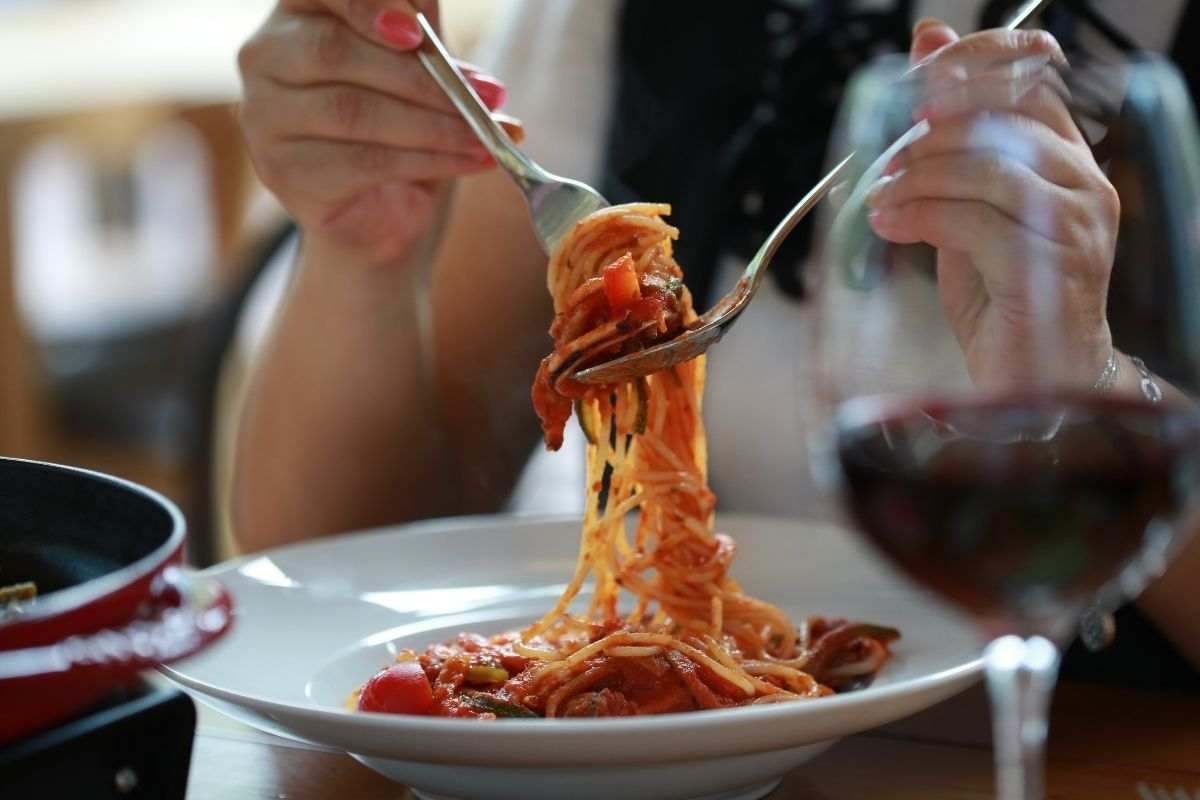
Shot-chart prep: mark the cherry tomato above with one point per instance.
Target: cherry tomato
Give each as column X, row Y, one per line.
column 399, row 689
column 621, row 285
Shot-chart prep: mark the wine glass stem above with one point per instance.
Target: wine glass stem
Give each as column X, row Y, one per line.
column 1020, row 681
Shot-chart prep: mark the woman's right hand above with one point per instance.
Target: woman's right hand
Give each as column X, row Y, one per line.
column 347, row 128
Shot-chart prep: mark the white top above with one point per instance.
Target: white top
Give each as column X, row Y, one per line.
column 556, row 58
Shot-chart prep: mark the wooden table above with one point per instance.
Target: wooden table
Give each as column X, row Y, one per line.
column 1105, row 743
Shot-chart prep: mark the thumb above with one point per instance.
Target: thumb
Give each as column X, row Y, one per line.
column 930, row 34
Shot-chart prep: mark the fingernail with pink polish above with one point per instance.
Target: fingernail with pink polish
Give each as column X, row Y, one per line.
column 398, row 28
column 490, row 91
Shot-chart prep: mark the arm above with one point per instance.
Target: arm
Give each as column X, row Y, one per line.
column 346, row 423
column 967, row 199
column 1170, row 601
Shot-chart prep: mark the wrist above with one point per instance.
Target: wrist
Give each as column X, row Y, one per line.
column 408, row 245
column 1110, row 373
column 354, row 289
column 1137, row 380
column 1128, row 375
column 1098, row 364
column 380, row 261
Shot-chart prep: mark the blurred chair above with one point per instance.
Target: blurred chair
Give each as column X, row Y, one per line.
column 113, row 228
column 123, row 194
column 111, row 94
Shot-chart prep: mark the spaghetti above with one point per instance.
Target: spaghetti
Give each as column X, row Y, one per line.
column 693, row 639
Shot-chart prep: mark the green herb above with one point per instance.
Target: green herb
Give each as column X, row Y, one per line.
column 485, row 702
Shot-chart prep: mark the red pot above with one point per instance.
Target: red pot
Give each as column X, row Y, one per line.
column 113, row 600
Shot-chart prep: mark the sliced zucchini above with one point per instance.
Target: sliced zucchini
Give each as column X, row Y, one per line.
column 639, row 425
column 487, row 703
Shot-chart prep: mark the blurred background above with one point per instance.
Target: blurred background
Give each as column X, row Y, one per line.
column 130, row 220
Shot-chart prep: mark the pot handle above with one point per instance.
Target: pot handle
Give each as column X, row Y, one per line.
column 190, row 610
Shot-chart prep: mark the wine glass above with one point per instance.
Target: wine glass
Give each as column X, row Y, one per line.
column 1008, row 417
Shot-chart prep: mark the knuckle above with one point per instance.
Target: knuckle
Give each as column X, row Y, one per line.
column 420, row 84
column 994, row 171
column 268, row 166
column 1026, row 40
column 970, row 50
column 1041, row 95
column 978, row 216
column 452, row 130
column 351, row 108
column 919, row 216
column 445, row 128
column 250, row 55
column 1010, row 186
column 370, row 158
column 1036, row 41
column 1077, row 229
column 425, row 162
column 249, row 117
column 245, row 120
column 331, row 45
column 1054, row 80
column 1071, row 229
column 1110, row 200
column 1047, row 96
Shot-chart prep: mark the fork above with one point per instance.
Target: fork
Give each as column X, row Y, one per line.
column 555, row 203
column 713, row 324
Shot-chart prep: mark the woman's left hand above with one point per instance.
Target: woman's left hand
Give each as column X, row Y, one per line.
column 1006, row 188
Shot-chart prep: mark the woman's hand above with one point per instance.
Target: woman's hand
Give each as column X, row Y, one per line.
column 346, row 127
column 1024, row 220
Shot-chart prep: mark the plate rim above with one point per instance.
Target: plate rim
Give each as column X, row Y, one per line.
column 390, row 727
column 419, row 527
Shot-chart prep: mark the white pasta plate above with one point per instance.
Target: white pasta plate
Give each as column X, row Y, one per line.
column 315, row 620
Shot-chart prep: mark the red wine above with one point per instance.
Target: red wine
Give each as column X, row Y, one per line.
column 1015, row 509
